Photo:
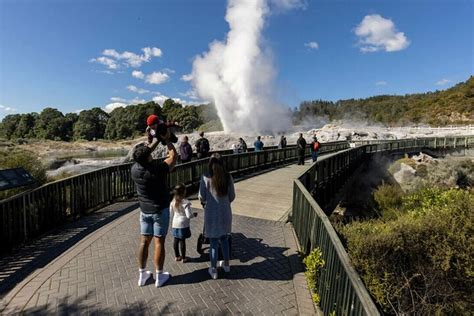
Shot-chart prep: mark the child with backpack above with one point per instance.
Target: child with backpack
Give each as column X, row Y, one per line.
column 182, row 214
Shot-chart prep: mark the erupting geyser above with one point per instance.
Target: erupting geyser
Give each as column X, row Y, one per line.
column 237, row 74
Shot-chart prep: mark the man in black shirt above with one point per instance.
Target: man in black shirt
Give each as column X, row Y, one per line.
column 301, row 144
column 202, row 146
column 150, row 177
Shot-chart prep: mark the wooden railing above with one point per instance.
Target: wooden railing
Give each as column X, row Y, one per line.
column 33, row 212
column 339, row 286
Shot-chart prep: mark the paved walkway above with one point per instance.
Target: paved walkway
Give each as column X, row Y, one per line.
column 95, row 268
column 98, row 275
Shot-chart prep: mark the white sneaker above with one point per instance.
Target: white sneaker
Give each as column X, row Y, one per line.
column 220, row 264
column 144, row 276
column 212, row 272
column 162, row 278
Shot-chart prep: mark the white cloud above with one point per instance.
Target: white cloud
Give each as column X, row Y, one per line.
column 117, row 99
column 114, row 59
column 138, row 74
column 187, row 77
column 137, row 101
column 78, row 111
column 168, row 70
column 109, row 63
column 137, row 90
column 289, row 4
column 312, row 45
column 377, row 33
column 112, row 106
column 381, row 83
column 442, row 82
column 7, row 109
column 157, row 77
column 191, row 94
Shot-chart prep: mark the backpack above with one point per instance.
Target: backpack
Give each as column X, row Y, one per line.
column 316, row 146
column 204, row 146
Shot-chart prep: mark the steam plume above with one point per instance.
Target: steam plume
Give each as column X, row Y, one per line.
column 237, row 74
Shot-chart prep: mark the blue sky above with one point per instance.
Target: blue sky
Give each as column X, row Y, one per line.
column 47, row 49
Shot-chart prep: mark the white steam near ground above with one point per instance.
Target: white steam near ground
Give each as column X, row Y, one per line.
column 237, row 74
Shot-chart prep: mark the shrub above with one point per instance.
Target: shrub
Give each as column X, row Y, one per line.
column 389, row 199
column 421, row 262
column 313, row 262
column 25, row 159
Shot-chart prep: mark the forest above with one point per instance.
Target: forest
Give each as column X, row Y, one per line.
column 454, row 106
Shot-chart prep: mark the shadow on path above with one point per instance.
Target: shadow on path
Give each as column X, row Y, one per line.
column 16, row 266
column 269, row 263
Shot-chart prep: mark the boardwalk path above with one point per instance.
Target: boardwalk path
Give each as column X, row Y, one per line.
column 98, row 274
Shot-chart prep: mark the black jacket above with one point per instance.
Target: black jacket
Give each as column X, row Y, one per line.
column 151, row 181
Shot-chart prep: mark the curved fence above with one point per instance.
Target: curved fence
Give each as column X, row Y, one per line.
column 339, row 286
column 31, row 213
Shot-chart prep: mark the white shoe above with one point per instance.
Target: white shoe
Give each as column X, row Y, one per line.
column 161, row 278
column 212, row 272
column 144, row 276
column 220, row 264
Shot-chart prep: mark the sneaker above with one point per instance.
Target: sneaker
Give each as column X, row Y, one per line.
column 178, row 258
column 213, row 272
column 144, row 276
column 162, row 278
column 220, row 264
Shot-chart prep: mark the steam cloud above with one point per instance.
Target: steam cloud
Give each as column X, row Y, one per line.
column 237, row 74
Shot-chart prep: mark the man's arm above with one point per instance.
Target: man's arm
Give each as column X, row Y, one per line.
column 172, row 155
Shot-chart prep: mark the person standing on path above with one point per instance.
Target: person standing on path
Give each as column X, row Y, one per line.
column 182, row 214
column 216, row 193
column 150, row 177
column 301, row 144
column 282, row 143
column 243, row 145
column 258, row 145
column 202, row 146
column 315, row 146
column 185, row 150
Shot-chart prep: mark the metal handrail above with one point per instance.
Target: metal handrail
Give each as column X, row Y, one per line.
column 339, row 286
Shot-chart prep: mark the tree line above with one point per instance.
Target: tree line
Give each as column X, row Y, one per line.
column 121, row 123
column 448, row 107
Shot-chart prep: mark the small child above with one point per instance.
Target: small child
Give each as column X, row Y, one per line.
column 181, row 217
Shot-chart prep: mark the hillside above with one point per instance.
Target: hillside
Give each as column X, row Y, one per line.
column 448, row 107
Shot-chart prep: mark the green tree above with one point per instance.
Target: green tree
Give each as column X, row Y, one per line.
column 25, row 127
column 9, row 125
column 51, row 124
column 91, row 124
column 130, row 121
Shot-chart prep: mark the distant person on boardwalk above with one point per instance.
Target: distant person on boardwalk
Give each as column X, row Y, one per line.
column 182, row 214
column 216, row 193
column 202, row 146
column 258, row 145
column 282, row 143
column 301, row 144
column 150, row 177
column 315, row 147
column 242, row 145
column 185, row 150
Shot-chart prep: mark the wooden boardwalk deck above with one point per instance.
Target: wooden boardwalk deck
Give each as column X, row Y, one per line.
column 266, row 196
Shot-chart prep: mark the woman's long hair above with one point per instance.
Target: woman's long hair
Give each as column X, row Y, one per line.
column 179, row 194
column 219, row 176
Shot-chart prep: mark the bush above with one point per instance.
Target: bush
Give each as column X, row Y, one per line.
column 313, row 262
column 25, row 159
column 389, row 199
column 421, row 262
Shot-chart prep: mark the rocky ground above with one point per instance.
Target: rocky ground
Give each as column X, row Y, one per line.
column 82, row 156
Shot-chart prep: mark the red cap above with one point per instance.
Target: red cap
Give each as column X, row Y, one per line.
column 152, row 119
